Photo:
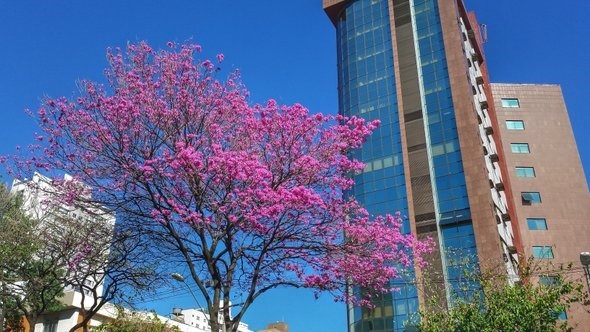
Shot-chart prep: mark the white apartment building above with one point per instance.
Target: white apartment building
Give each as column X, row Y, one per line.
column 197, row 320
column 39, row 200
column 43, row 201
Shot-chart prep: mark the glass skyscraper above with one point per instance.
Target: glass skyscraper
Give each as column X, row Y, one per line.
column 417, row 66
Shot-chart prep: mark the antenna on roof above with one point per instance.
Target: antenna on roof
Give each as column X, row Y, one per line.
column 484, row 33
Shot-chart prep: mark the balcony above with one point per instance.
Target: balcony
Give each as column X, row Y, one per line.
column 479, row 79
column 494, row 157
column 483, row 104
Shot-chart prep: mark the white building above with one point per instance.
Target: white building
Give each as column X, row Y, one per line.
column 197, row 320
column 188, row 320
column 45, row 202
column 91, row 225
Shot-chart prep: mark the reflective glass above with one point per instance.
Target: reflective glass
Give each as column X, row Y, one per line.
column 510, row 102
column 536, row 224
column 542, row 252
column 515, row 124
column 525, row 172
column 531, row 197
column 520, row 148
column 367, row 89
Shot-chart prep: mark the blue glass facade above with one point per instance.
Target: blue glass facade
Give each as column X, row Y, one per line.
column 454, row 215
column 367, row 89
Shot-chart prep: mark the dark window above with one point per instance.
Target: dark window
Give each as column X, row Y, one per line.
column 531, row 197
column 548, row 280
column 553, row 281
column 50, row 326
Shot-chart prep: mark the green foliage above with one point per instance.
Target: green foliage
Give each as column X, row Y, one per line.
column 135, row 322
column 526, row 306
column 18, row 241
column 13, row 318
column 29, row 281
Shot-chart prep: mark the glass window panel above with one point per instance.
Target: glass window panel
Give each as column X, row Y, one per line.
column 388, row 162
column 450, row 147
column 515, row 124
column 520, row 148
column 50, row 326
column 542, row 252
column 377, row 164
column 531, row 197
column 525, row 172
column 400, row 307
column 537, row 224
column 510, row 102
column 549, row 280
column 437, row 150
column 388, row 310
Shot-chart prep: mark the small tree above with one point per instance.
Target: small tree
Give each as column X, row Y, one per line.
column 30, row 283
column 103, row 264
column 133, row 322
column 500, row 306
column 118, row 269
column 89, row 255
column 248, row 198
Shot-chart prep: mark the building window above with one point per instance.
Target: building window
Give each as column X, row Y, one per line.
column 531, row 197
column 510, row 102
column 515, row 124
column 520, row 148
column 525, row 172
column 546, row 280
column 562, row 315
column 50, row 326
column 550, row 281
column 537, row 224
column 542, row 252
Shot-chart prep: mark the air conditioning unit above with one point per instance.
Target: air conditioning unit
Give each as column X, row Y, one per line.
column 512, row 250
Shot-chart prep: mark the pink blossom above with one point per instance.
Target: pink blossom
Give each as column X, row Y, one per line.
column 180, row 149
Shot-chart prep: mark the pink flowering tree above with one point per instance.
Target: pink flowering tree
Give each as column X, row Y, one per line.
column 247, row 198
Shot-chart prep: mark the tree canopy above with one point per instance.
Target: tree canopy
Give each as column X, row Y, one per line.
column 134, row 322
column 30, row 282
column 538, row 303
column 247, row 198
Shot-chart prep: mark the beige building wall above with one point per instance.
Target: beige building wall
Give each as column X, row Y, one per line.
column 276, row 327
column 558, row 174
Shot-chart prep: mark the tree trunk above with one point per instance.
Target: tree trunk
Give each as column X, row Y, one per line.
column 214, row 319
column 81, row 325
column 32, row 321
column 2, row 300
column 215, row 326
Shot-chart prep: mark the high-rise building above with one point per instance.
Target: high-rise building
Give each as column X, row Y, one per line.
column 418, row 66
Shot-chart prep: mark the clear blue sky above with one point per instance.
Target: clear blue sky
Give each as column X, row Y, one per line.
column 285, row 50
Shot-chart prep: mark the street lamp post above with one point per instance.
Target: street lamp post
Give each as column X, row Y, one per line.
column 180, row 278
column 585, row 260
